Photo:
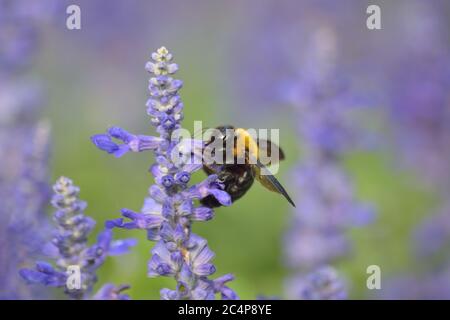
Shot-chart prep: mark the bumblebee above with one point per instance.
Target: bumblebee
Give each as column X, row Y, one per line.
column 238, row 176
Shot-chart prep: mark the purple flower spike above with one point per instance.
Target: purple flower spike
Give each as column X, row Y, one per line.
column 171, row 206
column 69, row 246
column 326, row 109
column 322, row 284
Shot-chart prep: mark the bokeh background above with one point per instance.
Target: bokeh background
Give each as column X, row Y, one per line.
column 240, row 62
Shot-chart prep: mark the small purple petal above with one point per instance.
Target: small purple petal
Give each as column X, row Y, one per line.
column 203, row 214
column 167, row 294
column 33, row 276
column 121, row 150
column 120, row 134
column 104, row 238
column 44, row 267
column 104, row 142
column 204, row 269
column 221, row 196
column 228, row 294
column 119, row 247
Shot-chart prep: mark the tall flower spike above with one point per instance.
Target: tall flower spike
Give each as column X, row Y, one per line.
column 419, row 108
column 24, row 146
column 324, row 110
column 69, row 248
column 322, row 284
column 328, row 206
column 325, row 107
column 170, row 208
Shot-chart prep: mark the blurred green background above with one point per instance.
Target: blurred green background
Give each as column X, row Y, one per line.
column 95, row 78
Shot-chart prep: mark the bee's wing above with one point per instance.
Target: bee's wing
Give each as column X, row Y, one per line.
column 201, row 132
column 270, row 182
column 266, row 147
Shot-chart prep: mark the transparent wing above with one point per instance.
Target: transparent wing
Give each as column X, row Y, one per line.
column 263, row 175
column 267, row 148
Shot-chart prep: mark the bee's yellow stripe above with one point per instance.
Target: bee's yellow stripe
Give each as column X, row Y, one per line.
column 246, row 142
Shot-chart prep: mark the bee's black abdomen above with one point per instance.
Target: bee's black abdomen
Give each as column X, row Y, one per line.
column 237, row 179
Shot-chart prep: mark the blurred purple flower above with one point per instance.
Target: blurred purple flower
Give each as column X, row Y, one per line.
column 24, row 194
column 20, row 21
column 69, row 244
column 326, row 210
column 418, row 83
column 432, row 236
column 274, row 47
column 432, row 264
column 432, row 277
column 434, row 285
column 169, row 211
column 327, row 110
column 420, row 112
column 324, row 283
column 303, row 56
column 421, row 115
column 24, row 146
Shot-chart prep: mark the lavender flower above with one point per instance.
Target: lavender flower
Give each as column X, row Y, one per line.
column 327, row 110
column 432, row 236
column 433, row 285
column 420, row 114
column 280, row 40
column 170, row 209
column 69, row 246
column 24, row 146
column 419, row 108
column 328, row 207
column 19, row 32
column 23, row 190
column 326, row 210
column 24, row 193
column 431, row 279
column 321, row 284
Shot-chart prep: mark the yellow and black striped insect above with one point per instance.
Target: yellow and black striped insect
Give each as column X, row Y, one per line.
column 238, row 177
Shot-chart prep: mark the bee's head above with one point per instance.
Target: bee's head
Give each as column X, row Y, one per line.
column 225, row 130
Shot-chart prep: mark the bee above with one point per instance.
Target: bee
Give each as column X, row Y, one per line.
column 238, row 177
